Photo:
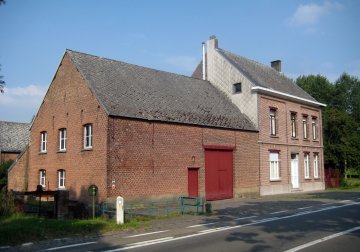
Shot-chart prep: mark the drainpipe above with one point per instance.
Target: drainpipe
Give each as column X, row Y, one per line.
column 203, row 62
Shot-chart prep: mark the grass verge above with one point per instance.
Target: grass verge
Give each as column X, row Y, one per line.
column 18, row 228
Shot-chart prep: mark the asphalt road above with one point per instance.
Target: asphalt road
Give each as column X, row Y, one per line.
column 267, row 225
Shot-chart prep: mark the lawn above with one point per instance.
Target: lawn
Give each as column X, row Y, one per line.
column 18, row 228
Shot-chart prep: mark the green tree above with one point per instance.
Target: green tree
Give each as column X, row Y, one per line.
column 2, row 83
column 3, row 172
column 318, row 87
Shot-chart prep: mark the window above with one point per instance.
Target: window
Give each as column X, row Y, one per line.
column 306, row 166
column 293, row 125
column 87, row 136
column 62, row 139
column 273, row 122
column 42, row 178
column 314, row 128
column 61, row 178
column 43, row 141
column 316, row 166
column 305, row 127
column 274, row 166
column 237, row 88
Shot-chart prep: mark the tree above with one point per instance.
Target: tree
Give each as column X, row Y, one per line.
column 318, row 87
column 2, row 83
column 2, row 2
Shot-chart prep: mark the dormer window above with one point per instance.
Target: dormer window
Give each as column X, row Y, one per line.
column 237, row 88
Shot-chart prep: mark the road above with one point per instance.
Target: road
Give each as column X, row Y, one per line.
column 287, row 226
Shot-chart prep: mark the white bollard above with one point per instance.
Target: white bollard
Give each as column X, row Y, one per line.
column 120, row 210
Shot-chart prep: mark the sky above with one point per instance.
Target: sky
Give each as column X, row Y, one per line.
column 309, row 37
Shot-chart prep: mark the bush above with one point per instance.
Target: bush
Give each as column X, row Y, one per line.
column 7, row 205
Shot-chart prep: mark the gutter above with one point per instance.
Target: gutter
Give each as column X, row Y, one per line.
column 287, row 96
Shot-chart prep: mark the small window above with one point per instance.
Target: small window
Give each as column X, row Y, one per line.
column 62, row 139
column 305, row 127
column 274, row 166
column 314, row 129
column 61, row 179
column 43, row 136
column 237, row 88
column 316, row 166
column 42, row 178
column 306, row 166
column 293, row 125
column 273, row 122
column 88, row 136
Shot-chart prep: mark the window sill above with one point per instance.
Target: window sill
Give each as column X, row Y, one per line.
column 317, row 178
column 42, row 152
column 294, row 138
column 87, row 149
column 61, row 188
column 61, row 151
column 275, row 180
column 316, row 140
column 306, row 139
column 274, row 136
column 307, row 178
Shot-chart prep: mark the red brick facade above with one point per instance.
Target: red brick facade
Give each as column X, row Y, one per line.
column 284, row 144
column 136, row 159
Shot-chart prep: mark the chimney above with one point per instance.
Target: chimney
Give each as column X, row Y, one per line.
column 213, row 42
column 276, row 64
column 203, row 61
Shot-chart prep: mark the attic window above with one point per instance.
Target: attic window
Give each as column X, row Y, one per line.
column 237, row 88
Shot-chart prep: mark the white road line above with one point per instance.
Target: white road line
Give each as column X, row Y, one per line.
column 168, row 239
column 151, row 241
column 202, row 225
column 70, row 246
column 322, row 239
column 327, row 204
column 302, row 208
column 5, row 247
column 214, row 229
column 243, row 218
column 345, row 201
column 157, row 232
column 283, row 211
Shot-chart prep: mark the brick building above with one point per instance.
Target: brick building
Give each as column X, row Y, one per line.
column 288, row 119
column 140, row 133
column 14, row 137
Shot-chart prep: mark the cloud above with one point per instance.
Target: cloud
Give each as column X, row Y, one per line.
column 310, row 14
column 183, row 63
column 21, row 103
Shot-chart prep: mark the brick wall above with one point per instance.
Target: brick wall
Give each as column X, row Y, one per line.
column 150, row 160
column 69, row 104
column 17, row 175
column 286, row 145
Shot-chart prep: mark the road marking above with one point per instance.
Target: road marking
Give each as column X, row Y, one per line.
column 345, row 201
column 201, row 225
column 214, row 229
column 283, row 211
column 5, row 247
column 168, row 239
column 70, row 246
column 243, row 218
column 322, row 239
column 302, row 208
column 327, row 204
column 157, row 232
column 149, row 242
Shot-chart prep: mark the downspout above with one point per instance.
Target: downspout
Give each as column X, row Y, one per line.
column 203, row 61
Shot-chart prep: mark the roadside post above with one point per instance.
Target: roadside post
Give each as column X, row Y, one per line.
column 92, row 190
column 120, row 210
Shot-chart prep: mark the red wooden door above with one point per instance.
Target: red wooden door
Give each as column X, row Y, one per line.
column 218, row 174
column 193, row 183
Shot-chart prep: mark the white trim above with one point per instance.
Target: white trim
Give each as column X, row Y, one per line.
column 287, row 96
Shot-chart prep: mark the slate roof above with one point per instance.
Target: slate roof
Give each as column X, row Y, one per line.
column 260, row 75
column 13, row 136
column 133, row 91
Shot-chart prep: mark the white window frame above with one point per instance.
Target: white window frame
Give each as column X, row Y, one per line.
column 274, row 166
column 316, row 165
column 273, row 128
column 43, row 141
column 306, row 166
column 61, row 179
column 42, row 178
column 293, row 125
column 88, row 136
column 62, row 139
column 314, row 129
column 305, row 127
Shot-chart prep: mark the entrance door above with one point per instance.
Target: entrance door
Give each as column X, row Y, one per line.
column 218, row 174
column 295, row 171
column 193, row 184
